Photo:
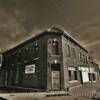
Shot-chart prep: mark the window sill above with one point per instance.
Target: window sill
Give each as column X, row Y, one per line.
column 73, row 81
column 55, row 55
column 94, row 81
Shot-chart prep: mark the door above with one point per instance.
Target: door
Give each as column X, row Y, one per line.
column 81, row 80
column 85, row 77
column 55, row 80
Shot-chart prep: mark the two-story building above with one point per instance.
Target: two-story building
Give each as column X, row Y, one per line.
column 51, row 60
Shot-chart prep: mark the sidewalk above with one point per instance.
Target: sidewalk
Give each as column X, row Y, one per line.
column 84, row 92
column 87, row 90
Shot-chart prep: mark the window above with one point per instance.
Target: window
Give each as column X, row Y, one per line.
column 89, row 74
column 83, row 58
column 93, row 76
column 70, row 76
column 86, row 59
column 72, row 72
column 36, row 50
column 26, row 54
column 68, row 50
column 80, row 57
column 75, row 75
column 55, row 67
column 74, row 52
column 13, row 59
column 17, row 75
column 55, row 47
column 19, row 56
column 10, row 76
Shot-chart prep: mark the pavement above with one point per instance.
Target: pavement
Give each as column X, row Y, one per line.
column 87, row 90
column 84, row 92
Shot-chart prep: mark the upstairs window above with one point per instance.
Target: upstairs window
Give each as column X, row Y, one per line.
column 26, row 54
column 74, row 52
column 68, row 50
column 55, row 47
column 13, row 58
column 80, row 57
column 19, row 56
column 36, row 50
column 86, row 59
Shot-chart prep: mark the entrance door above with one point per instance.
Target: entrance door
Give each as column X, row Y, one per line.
column 55, row 80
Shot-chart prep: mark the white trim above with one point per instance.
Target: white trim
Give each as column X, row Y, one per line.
column 86, row 69
column 70, row 88
column 71, row 68
column 73, row 81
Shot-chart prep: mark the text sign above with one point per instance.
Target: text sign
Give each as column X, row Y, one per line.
column 29, row 69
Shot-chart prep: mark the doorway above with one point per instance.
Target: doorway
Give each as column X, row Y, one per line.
column 55, row 77
column 81, row 80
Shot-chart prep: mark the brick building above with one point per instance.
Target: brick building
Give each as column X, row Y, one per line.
column 51, row 60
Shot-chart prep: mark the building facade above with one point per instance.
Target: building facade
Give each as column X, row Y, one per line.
column 52, row 60
column 94, row 74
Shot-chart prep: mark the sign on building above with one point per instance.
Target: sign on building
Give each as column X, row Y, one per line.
column 29, row 69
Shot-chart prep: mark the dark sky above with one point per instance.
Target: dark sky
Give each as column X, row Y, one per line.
column 20, row 19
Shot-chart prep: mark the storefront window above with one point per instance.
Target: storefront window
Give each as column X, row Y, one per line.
column 72, row 71
column 93, row 76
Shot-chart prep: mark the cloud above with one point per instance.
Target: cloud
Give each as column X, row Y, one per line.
column 94, row 43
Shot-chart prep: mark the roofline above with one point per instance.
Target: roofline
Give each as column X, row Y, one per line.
column 42, row 33
column 71, row 37
column 25, row 41
column 76, row 41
